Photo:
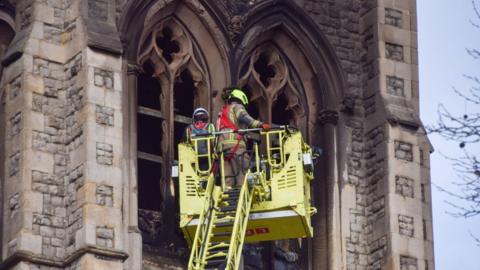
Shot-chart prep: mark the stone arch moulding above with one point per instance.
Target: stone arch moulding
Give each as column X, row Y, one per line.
column 307, row 54
column 7, row 29
column 196, row 47
column 139, row 17
column 285, row 24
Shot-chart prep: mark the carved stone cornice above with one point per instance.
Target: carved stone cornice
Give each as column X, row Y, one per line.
column 328, row 117
column 25, row 256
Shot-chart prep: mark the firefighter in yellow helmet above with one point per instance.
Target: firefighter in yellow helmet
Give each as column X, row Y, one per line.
column 233, row 117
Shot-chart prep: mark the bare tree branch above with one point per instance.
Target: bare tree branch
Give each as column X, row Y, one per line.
column 464, row 129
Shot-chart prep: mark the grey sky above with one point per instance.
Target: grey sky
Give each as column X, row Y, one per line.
column 444, row 33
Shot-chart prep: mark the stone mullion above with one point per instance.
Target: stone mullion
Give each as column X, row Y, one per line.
column 130, row 156
column 329, row 119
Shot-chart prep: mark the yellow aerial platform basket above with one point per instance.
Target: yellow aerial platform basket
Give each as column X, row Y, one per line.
column 279, row 180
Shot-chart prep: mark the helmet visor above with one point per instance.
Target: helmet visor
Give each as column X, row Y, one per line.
column 200, row 117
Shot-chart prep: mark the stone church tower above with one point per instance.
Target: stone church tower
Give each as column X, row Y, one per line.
column 94, row 95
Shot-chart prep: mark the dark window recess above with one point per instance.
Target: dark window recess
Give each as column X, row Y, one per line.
column 184, row 94
column 252, row 107
column 148, row 89
column 149, row 175
column 184, row 100
column 149, row 134
column 280, row 114
column 178, row 135
column 168, row 46
column 265, row 70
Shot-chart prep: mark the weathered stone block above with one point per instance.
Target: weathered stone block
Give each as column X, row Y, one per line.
column 395, row 86
column 15, row 87
column 105, row 236
column 104, row 115
column 103, row 78
column 14, row 164
column 14, row 204
column 26, row 16
column 404, row 186
column 403, row 150
column 405, row 225
column 408, row 263
column 394, row 51
column 98, row 9
column 104, row 153
column 393, row 17
column 104, row 195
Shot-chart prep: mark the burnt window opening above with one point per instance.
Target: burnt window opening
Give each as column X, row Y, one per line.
column 149, row 134
column 149, row 88
column 184, row 102
column 281, row 115
column 168, row 46
column 184, row 94
column 149, row 175
column 265, row 70
column 149, row 138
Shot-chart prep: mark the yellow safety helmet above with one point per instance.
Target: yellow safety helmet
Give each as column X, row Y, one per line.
column 240, row 95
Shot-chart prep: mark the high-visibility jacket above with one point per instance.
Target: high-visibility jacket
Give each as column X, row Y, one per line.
column 234, row 116
column 191, row 130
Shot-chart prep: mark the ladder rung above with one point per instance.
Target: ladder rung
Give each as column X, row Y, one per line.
column 217, row 254
column 224, row 224
column 222, row 234
column 222, row 246
column 225, row 218
column 215, row 263
column 228, row 208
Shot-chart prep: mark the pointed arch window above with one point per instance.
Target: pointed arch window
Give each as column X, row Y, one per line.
column 174, row 82
column 275, row 95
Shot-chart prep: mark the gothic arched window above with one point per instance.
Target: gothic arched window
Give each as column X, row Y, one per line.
column 271, row 84
column 172, row 83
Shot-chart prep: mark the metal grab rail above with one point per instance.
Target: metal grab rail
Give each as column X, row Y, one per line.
column 204, row 230
column 239, row 226
column 210, row 142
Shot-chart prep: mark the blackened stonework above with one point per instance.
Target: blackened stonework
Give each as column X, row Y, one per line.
column 104, row 153
column 404, row 186
column 405, row 225
column 394, row 51
column 103, row 78
column 395, row 86
column 404, row 150
column 393, row 17
column 408, row 263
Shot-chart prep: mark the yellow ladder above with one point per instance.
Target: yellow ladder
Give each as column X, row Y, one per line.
column 221, row 229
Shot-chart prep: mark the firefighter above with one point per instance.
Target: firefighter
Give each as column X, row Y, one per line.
column 233, row 117
column 200, row 126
